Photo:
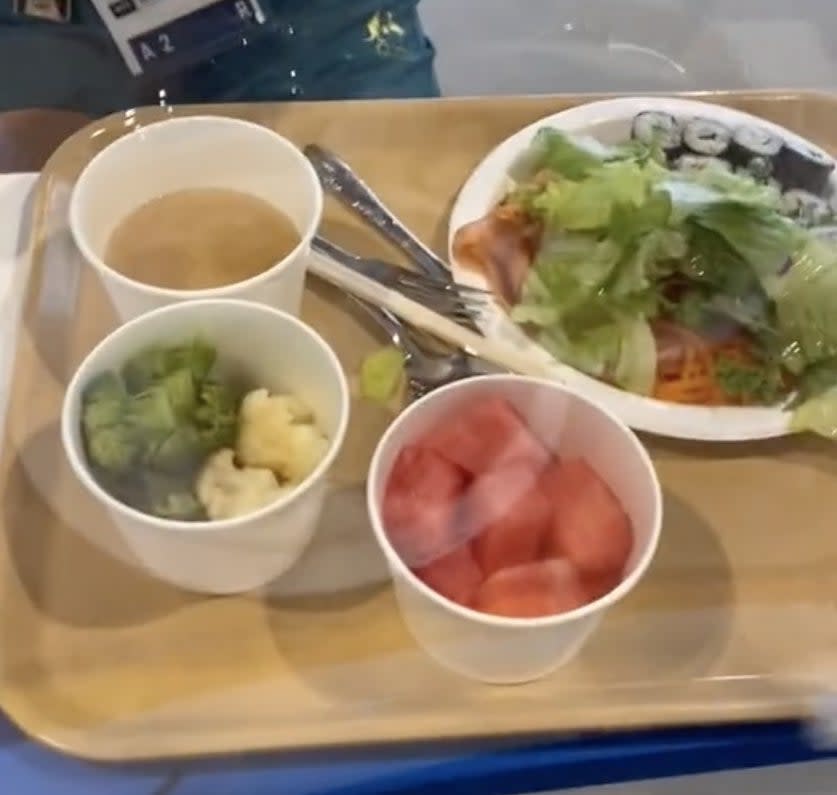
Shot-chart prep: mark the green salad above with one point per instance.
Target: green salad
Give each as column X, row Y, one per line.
column 688, row 287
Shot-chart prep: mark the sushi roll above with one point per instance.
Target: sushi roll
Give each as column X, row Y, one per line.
column 806, row 208
column 803, row 168
column 706, row 137
column 755, row 146
column 694, row 164
column 652, row 127
column 759, row 168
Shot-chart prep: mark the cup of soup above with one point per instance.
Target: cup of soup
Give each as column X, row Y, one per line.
column 198, row 207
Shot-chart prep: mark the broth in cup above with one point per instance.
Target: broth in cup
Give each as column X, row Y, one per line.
column 194, row 208
column 200, row 238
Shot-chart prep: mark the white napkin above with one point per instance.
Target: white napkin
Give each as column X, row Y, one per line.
column 16, row 193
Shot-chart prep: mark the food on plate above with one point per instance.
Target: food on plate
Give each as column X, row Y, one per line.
column 672, row 265
column 202, row 238
column 159, row 436
column 501, row 525
column 706, row 137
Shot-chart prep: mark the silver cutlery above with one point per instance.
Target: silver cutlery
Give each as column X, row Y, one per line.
column 425, row 370
column 341, row 182
column 460, row 303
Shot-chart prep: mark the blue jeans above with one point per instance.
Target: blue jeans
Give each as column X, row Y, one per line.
column 320, row 49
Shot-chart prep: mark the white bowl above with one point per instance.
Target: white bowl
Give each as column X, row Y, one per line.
column 505, row 650
column 271, row 349
column 196, row 152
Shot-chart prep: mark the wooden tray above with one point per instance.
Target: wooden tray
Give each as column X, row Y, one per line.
column 103, row 662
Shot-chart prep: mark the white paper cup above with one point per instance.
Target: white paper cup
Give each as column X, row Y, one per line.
column 271, row 349
column 505, row 650
column 196, row 152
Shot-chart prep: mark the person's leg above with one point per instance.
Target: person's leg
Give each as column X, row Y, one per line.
column 390, row 57
column 324, row 49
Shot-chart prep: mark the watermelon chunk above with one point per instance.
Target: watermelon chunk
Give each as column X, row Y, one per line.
column 455, row 576
column 537, row 589
column 508, row 516
column 483, row 435
column 598, row 585
column 420, row 504
column 590, row 526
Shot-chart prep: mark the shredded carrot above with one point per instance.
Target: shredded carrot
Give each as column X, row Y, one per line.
column 686, row 365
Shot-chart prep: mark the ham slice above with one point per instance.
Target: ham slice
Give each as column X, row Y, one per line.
column 502, row 246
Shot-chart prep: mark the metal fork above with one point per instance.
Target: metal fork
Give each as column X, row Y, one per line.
column 456, row 302
column 426, row 371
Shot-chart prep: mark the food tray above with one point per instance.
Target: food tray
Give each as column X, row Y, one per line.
column 103, row 662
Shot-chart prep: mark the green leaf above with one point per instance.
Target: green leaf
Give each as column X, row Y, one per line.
column 647, row 260
column 636, row 367
column 762, row 238
column 593, row 350
column 817, row 379
column 736, row 187
column 806, row 302
column 760, row 382
column 553, row 150
column 818, row 414
column 381, row 374
column 588, row 205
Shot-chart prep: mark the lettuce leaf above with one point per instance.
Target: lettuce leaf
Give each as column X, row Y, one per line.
column 622, row 350
column 636, row 367
column 557, row 152
column 589, row 204
column 818, row 414
column 736, row 187
column 806, row 303
column 381, row 374
column 761, row 237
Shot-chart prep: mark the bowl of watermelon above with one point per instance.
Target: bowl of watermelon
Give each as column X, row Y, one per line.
column 513, row 514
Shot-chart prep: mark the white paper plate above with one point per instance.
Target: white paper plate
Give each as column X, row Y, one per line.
column 609, row 121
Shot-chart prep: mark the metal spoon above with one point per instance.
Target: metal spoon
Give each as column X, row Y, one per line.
column 339, row 180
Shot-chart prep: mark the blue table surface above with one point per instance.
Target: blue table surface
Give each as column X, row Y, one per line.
column 29, row 769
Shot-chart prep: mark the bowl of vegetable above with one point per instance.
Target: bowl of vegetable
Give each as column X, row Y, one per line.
column 206, row 430
column 513, row 514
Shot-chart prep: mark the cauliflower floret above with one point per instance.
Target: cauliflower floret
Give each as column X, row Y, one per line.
column 227, row 491
column 279, row 432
